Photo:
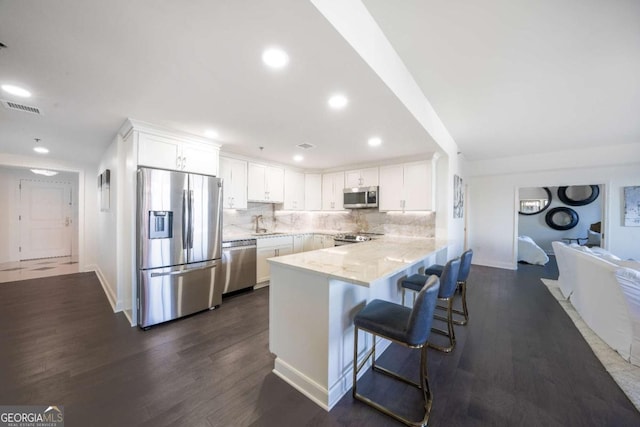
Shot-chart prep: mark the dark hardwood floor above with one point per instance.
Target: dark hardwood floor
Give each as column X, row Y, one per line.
column 520, row 361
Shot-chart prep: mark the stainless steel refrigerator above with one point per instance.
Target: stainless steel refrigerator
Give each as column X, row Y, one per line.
column 179, row 246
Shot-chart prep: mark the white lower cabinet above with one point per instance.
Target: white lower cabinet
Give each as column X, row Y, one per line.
column 321, row 241
column 269, row 247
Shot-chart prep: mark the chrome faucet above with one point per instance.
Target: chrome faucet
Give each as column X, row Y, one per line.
column 258, row 229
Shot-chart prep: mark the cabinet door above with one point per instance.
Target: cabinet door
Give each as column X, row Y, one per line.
column 308, row 243
column 284, row 250
column 256, row 182
column 332, row 186
column 361, row 178
column 391, row 194
column 293, row 190
column 327, row 242
column 234, row 173
column 200, row 158
column 275, row 184
column 298, row 243
column 318, row 241
column 312, row 191
column 158, row 151
column 369, row 177
column 417, row 186
column 262, row 266
column 352, row 179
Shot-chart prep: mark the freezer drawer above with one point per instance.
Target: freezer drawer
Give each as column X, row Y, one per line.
column 169, row 293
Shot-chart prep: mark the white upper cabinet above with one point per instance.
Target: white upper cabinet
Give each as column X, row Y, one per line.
column 312, row 191
column 293, row 190
column 332, row 186
column 265, row 183
column 406, row 187
column 177, row 154
column 361, row 178
column 234, row 174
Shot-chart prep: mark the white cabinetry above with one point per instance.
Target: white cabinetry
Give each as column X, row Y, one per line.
column 265, row 183
column 361, row 178
column 269, row 247
column 313, row 191
column 300, row 242
column 176, row 153
column 293, row 190
column 332, row 186
column 234, row 174
column 321, row 241
column 406, row 187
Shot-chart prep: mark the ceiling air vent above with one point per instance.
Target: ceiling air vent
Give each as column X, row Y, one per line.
column 20, row 107
column 305, row 146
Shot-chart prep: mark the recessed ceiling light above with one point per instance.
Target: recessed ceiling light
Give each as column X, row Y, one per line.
column 275, row 57
column 338, row 101
column 41, row 150
column 16, row 90
column 298, row 158
column 211, row 133
column 44, row 172
column 375, row 141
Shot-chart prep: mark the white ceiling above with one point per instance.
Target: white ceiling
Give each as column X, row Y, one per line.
column 517, row 77
column 505, row 77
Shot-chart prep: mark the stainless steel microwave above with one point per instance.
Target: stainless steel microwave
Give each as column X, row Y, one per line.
column 360, row 197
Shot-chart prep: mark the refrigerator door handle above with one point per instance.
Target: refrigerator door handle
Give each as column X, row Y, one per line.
column 191, row 219
column 185, row 224
column 181, row 272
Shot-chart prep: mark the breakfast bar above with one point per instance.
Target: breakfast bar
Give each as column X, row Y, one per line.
column 314, row 297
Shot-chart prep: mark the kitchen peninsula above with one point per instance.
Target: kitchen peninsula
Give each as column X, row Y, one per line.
column 314, row 297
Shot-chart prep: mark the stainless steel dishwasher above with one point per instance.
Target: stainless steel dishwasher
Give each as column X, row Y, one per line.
column 238, row 264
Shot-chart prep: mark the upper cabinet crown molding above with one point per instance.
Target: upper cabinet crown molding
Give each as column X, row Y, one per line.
column 174, row 150
column 130, row 125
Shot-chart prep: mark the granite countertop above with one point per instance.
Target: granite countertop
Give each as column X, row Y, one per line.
column 364, row 263
column 233, row 237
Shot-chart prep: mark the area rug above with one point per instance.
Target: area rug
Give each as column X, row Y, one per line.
column 626, row 375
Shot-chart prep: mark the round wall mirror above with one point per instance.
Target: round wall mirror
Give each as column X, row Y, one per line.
column 578, row 195
column 534, row 200
column 562, row 218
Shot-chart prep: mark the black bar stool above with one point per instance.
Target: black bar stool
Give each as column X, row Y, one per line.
column 448, row 283
column 405, row 326
column 463, row 274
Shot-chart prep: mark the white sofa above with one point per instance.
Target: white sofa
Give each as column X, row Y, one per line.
column 606, row 294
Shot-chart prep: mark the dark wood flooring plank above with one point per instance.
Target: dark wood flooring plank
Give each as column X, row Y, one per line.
column 520, row 361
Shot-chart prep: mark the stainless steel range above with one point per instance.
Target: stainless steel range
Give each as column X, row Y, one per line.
column 347, row 239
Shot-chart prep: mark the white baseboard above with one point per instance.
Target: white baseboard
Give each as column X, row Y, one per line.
column 105, row 287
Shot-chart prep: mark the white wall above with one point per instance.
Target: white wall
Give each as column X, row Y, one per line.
column 107, row 263
column 87, row 193
column 493, row 201
column 535, row 226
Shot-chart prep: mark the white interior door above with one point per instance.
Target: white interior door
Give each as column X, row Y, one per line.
column 45, row 219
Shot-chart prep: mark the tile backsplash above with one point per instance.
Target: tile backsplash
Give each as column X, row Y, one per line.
column 242, row 222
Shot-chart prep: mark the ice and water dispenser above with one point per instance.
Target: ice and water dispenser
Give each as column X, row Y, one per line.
column 160, row 224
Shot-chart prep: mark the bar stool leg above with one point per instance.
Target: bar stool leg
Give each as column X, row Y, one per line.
column 450, row 332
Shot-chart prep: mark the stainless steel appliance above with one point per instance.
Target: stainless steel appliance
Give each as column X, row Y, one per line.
column 179, row 249
column 347, row 239
column 238, row 264
column 360, row 197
